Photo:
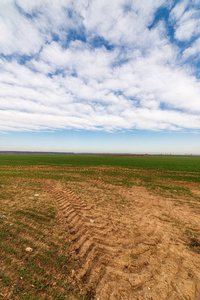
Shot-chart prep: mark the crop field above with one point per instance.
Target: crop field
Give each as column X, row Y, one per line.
column 99, row 227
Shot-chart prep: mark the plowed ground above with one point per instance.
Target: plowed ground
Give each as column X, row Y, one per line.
column 129, row 242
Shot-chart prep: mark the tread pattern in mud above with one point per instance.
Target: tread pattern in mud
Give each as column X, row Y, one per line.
column 93, row 245
column 116, row 267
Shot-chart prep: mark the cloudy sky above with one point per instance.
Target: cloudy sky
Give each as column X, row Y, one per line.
column 100, row 76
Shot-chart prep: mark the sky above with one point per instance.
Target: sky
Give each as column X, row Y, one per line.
column 100, row 76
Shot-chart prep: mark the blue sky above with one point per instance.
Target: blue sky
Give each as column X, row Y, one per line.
column 100, row 76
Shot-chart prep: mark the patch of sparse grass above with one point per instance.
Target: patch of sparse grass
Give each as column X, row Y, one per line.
column 5, row 279
column 194, row 244
column 190, row 233
column 39, row 273
column 33, row 215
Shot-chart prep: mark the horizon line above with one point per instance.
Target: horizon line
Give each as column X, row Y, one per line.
column 97, row 153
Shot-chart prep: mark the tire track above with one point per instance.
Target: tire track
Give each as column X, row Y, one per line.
column 149, row 261
column 96, row 246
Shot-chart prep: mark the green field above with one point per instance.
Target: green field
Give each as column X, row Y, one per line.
column 168, row 163
column 158, row 173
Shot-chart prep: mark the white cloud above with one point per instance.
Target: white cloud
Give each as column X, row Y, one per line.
column 18, row 34
column 193, row 50
column 187, row 22
column 122, row 22
column 179, row 9
column 68, row 83
column 79, row 58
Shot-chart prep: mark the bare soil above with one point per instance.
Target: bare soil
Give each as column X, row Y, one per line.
column 146, row 248
column 130, row 243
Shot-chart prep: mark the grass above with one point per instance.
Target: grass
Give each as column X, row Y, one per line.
column 45, row 272
column 169, row 163
column 27, row 220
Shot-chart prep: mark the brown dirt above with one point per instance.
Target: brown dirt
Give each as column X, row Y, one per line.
column 30, row 221
column 128, row 242
column 144, row 247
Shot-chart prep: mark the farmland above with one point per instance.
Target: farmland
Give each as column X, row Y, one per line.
column 99, row 227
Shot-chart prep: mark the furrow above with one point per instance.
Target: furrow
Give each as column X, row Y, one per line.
column 74, row 219
column 92, row 259
column 70, row 214
column 85, row 238
column 76, row 226
column 77, row 236
column 92, row 247
column 68, row 211
column 83, row 251
column 96, row 274
column 74, row 230
column 64, row 205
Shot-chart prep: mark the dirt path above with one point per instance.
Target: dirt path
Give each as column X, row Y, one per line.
column 140, row 252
